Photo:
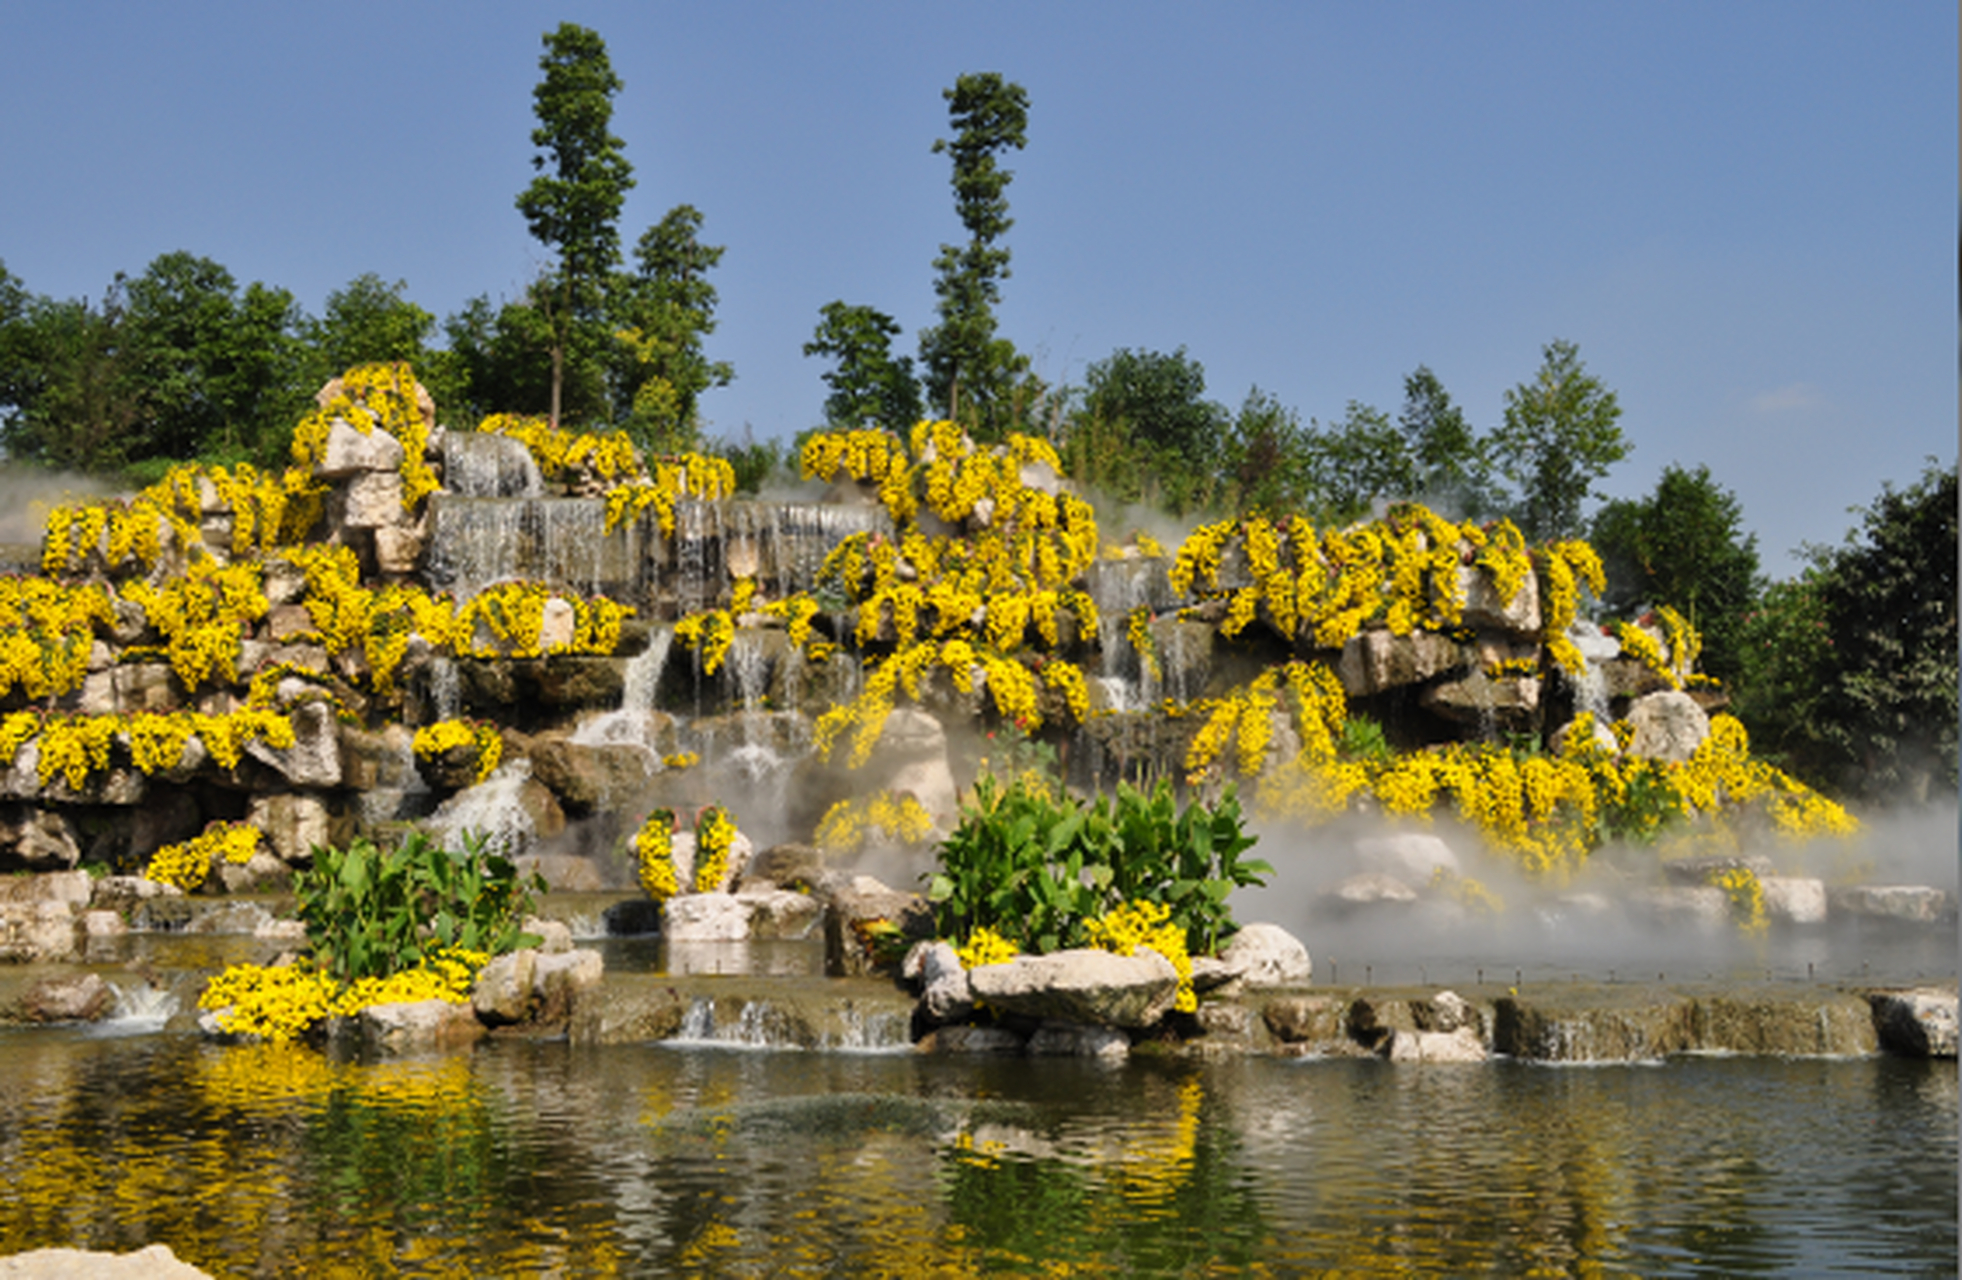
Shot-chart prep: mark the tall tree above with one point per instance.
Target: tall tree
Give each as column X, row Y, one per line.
column 1888, row 711
column 1267, row 458
column 1684, row 546
column 1452, row 469
column 868, row 383
column 573, row 205
column 1560, row 436
column 662, row 310
column 968, row 369
column 1144, row 430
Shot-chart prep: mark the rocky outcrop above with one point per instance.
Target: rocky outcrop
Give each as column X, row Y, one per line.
column 1918, row 1023
column 1093, row 987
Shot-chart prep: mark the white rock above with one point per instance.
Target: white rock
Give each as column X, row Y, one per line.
column 1083, row 986
column 1794, row 899
column 1410, row 856
column 1462, row 1045
column 1267, row 955
column 1669, row 726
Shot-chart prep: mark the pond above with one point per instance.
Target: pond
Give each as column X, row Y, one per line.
column 526, row 1158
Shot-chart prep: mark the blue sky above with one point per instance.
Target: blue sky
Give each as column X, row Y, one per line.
column 1744, row 214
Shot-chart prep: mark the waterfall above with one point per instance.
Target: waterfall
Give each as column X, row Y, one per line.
column 632, row 724
column 475, row 542
column 495, row 808
column 479, row 465
column 445, row 687
column 138, row 1010
column 1591, row 688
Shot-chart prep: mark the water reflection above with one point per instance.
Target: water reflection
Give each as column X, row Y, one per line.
column 528, row 1159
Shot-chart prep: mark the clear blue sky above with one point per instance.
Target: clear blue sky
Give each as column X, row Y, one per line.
column 1744, row 214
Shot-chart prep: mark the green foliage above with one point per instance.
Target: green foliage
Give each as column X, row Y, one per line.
column 1451, row 470
column 754, row 461
column 1266, row 468
column 1144, row 431
column 662, row 311
column 1784, row 652
column 969, row 369
column 1887, row 713
column 1560, row 436
column 370, row 911
column 868, row 385
column 1683, row 546
column 572, row 206
column 1363, row 739
column 1036, row 870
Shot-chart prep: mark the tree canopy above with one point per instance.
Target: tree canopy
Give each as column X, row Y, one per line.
column 1560, row 435
column 968, row 369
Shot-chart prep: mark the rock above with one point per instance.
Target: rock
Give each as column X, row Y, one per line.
column 31, row 931
column 1083, row 985
column 590, row 779
column 504, row 989
column 110, row 924
column 1369, row 891
column 1669, row 726
column 856, row 908
column 293, row 823
column 1483, row 608
column 1705, row 869
column 292, row 931
column 945, row 993
column 1794, row 899
column 911, row 758
column 1266, row 955
column 314, row 759
column 964, row 1038
column 88, row 998
column 1916, row 902
column 36, row 839
column 780, row 913
column 154, row 1262
column 1071, row 1040
column 70, row 888
column 1920, row 1022
column 1375, row 660
column 1461, row 1045
column 1306, row 1019
column 1409, row 856
column 1604, row 738
column 557, row 624
column 1445, row 1011
column 417, row 1026
column 398, row 548
column 1477, row 699
column 563, row 872
column 123, row 893
column 371, row 500
column 555, row 936
column 704, row 917
column 488, row 465
column 263, row 873
column 560, row 979
column 788, row 865
column 1706, row 909
column 351, row 452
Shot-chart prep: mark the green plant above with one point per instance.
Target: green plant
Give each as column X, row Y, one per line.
column 370, row 911
column 1036, row 869
column 1362, row 739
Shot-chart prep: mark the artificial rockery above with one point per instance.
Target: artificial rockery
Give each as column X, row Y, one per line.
column 413, row 627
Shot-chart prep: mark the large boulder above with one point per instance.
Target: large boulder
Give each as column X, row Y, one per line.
column 1410, row 856
column 1483, row 608
column 1669, row 726
column 1266, row 955
column 1375, row 660
column 31, row 931
column 858, row 910
column 1919, row 903
column 415, row 1026
column 1460, row 1045
column 1794, row 899
column 1099, row 988
column 314, row 759
column 86, row 998
column 293, row 823
column 590, row 779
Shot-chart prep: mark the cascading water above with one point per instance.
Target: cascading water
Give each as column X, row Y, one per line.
column 139, row 1010
column 493, row 808
column 1591, row 688
column 445, row 687
column 632, row 724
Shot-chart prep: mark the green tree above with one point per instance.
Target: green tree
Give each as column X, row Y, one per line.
column 1353, row 464
column 1560, row 436
column 1784, row 654
column 1453, row 472
column 1267, row 467
column 1887, row 713
column 369, row 320
column 662, row 311
column 573, row 206
column 67, row 381
column 868, row 384
column 967, row 368
column 1684, row 546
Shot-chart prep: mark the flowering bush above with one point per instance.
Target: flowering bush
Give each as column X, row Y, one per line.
column 187, row 863
column 653, row 848
column 435, row 740
column 1147, row 924
column 715, row 835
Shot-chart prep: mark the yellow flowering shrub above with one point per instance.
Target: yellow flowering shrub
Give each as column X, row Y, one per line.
column 203, row 614
column 372, row 396
column 695, row 476
column 559, row 453
column 715, row 836
column 857, row 823
column 985, row 946
column 653, row 847
column 187, row 863
column 1147, row 924
column 480, row 736
column 1746, row 894
column 277, row 1003
column 47, row 630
